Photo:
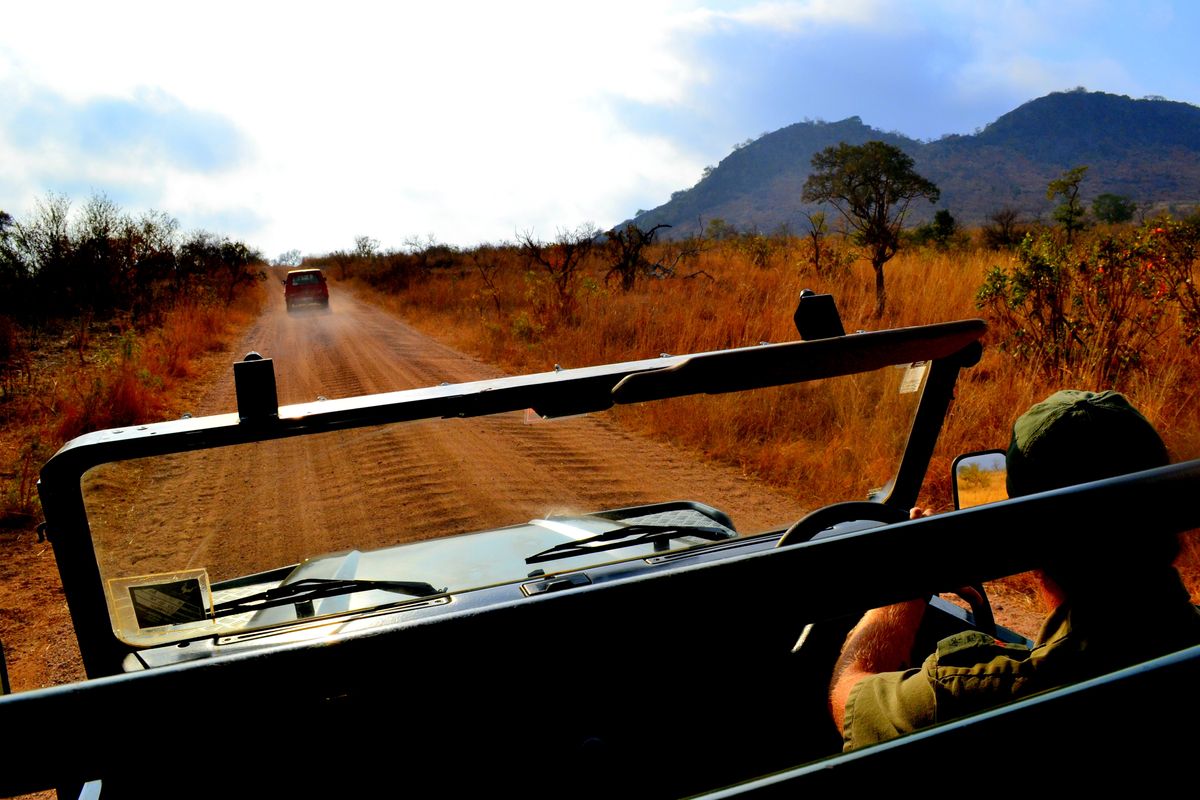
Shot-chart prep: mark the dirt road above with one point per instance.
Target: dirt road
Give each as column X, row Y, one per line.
column 239, row 510
column 458, row 476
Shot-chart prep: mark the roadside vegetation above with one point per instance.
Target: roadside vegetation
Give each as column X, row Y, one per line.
column 1114, row 307
column 104, row 317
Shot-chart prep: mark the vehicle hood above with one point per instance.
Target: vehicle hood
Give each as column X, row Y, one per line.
column 459, row 563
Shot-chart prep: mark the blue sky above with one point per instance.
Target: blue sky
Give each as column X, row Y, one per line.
column 303, row 125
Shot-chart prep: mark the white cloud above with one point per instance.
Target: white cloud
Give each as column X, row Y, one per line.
column 811, row 15
column 473, row 120
column 462, row 119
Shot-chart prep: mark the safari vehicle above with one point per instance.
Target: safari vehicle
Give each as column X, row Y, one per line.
column 305, row 287
column 637, row 651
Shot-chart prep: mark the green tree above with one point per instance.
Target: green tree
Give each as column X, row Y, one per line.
column 1113, row 208
column 944, row 226
column 938, row 232
column 1070, row 212
column 718, row 229
column 871, row 186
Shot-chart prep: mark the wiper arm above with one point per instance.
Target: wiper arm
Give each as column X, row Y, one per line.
column 310, row 589
column 627, row 536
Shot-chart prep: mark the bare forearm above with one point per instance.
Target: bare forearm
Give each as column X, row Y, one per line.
column 883, row 638
column 881, row 642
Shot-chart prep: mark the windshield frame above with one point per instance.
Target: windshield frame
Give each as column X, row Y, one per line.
column 947, row 346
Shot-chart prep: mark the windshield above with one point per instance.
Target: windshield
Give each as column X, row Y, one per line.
column 459, row 504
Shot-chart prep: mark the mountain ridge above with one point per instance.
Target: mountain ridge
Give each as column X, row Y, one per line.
column 1146, row 149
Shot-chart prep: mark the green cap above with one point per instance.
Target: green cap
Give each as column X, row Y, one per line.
column 1075, row 436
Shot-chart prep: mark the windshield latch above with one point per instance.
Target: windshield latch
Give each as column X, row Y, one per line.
column 817, row 317
column 254, row 384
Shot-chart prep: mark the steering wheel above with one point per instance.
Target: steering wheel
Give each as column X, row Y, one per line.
column 811, row 525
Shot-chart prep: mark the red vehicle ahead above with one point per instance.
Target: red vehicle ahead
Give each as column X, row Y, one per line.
column 302, row 286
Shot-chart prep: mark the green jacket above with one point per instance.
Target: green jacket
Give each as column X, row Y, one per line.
column 972, row 672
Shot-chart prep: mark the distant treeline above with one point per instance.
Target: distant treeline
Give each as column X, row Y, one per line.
column 98, row 261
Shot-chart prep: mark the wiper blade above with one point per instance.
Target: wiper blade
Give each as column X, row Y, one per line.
column 310, row 589
column 627, row 536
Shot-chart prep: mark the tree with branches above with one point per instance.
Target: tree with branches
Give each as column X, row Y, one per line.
column 1070, row 212
column 627, row 247
column 561, row 260
column 871, row 185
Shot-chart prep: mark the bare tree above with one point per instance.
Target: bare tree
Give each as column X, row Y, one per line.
column 104, row 266
column 818, row 229
column 365, row 246
column 1004, row 229
column 289, row 258
column 627, row 247
column 561, row 260
column 486, row 263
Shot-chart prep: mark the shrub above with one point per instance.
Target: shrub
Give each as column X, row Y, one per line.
column 1091, row 309
column 1176, row 250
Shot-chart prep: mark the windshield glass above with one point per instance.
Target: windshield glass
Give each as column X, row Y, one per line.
column 460, row 504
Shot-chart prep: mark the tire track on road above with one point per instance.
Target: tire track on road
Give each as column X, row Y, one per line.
column 405, row 482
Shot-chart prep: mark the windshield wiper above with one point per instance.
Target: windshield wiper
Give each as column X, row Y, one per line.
column 309, row 589
column 627, row 536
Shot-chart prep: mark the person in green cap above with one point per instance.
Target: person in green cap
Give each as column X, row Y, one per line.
column 1071, row 437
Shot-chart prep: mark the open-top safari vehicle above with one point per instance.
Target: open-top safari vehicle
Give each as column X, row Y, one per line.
column 645, row 650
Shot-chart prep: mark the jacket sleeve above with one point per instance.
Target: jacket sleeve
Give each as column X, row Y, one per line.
column 887, row 705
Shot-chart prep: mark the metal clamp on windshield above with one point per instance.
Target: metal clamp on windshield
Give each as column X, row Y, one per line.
column 254, row 383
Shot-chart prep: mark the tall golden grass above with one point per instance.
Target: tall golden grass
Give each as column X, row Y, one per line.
column 732, row 303
column 734, row 298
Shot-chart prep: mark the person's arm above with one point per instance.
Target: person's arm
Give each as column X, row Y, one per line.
column 882, row 641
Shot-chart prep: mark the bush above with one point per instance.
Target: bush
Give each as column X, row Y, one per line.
column 1177, row 247
column 101, row 263
column 1091, row 309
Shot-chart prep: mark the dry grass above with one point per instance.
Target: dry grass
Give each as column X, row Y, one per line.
column 127, row 376
column 730, row 301
column 732, row 304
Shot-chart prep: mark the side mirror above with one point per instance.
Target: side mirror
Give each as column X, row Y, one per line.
column 979, row 478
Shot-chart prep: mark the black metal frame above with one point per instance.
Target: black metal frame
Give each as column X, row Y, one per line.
column 949, row 346
column 486, row 689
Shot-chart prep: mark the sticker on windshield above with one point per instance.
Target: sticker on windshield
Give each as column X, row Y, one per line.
column 913, row 375
column 154, row 601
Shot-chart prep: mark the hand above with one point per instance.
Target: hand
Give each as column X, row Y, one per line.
column 916, row 512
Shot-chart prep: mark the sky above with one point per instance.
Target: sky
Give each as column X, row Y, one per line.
column 302, row 126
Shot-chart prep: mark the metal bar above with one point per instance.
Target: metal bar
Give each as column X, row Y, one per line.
column 805, row 582
column 561, row 392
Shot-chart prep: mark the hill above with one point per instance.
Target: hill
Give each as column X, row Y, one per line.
column 1147, row 150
